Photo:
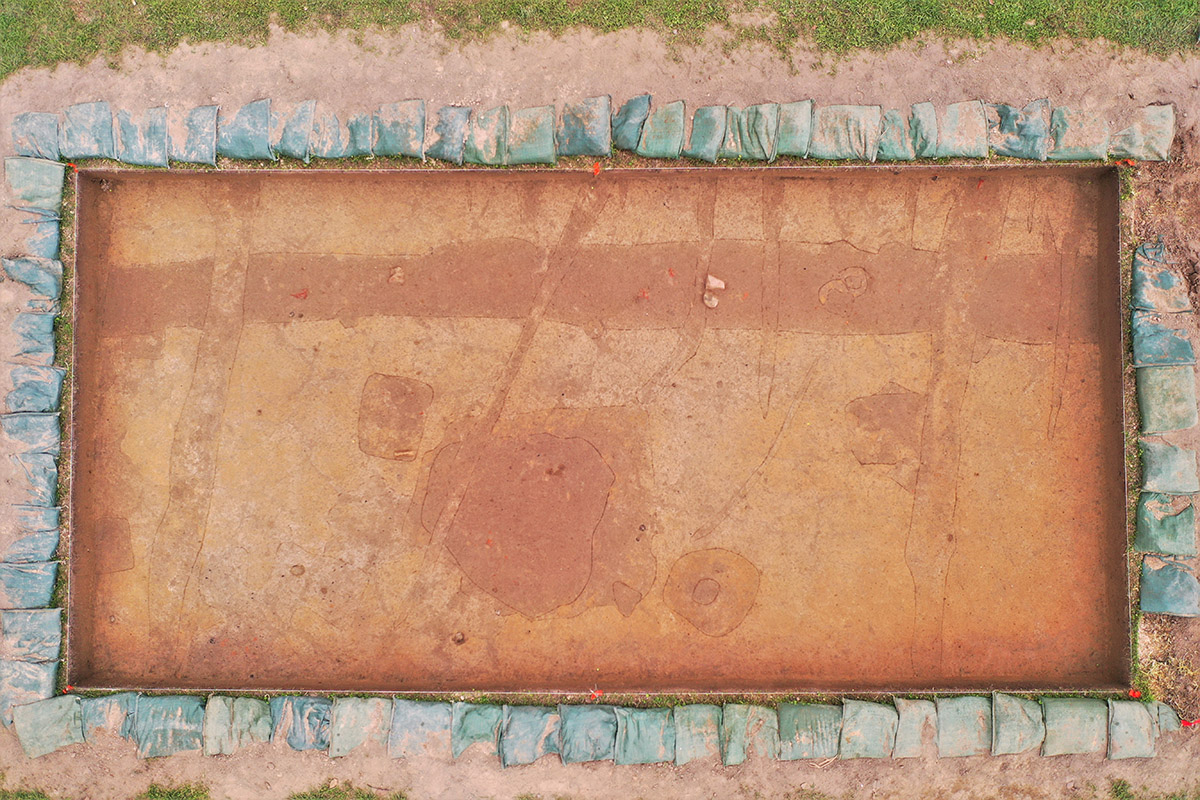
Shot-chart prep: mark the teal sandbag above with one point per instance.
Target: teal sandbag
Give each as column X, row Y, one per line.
column 35, row 388
column 748, row 729
column 475, row 723
column 1132, row 730
column 1156, row 345
column 1019, row 132
column 360, row 134
column 662, row 134
column 27, row 585
column 231, row 723
column 1163, row 527
column 35, row 519
column 111, row 714
column 846, row 132
column 419, row 729
column 917, row 718
column 964, row 726
column 895, row 141
column 1017, row 725
column 86, row 131
column 1154, row 285
column 487, row 137
column 31, row 547
column 1074, row 726
column 1166, row 398
column 731, row 145
column 35, row 183
column 41, row 478
column 962, row 131
column 31, row 635
column 759, row 128
column 302, row 721
column 809, row 731
column 527, row 733
column 586, row 128
column 1078, row 136
column 34, row 433
column 400, row 129
column 923, row 127
column 24, row 682
column 868, row 730
column 328, row 138
column 450, row 134
column 1169, row 587
column 1168, row 469
column 531, row 136
column 42, row 240
column 47, row 725
column 198, row 144
column 1148, row 138
column 43, row 276
column 247, row 136
column 356, row 721
column 35, row 337
column 291, row 135
column 644, row 736
column 589, row 733
column 628, row 121
column 165, row 725
column 795, row 129
column 708, row 131
column 35, row 134
column 1167, row 719
column 144, row 145
column 697, row 732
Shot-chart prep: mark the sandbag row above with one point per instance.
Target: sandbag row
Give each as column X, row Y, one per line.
column 498, row 136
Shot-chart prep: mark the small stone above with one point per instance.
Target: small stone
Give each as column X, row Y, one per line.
column 458, row 638
column 712, row 283
column 710, row 300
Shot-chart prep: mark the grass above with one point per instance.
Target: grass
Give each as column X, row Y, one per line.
column 187, row 791
column 345, row 792
column 1122, row 790
column 46, row 32
column 23, row 794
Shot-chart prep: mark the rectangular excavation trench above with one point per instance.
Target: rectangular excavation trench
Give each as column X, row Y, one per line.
column 480, row 430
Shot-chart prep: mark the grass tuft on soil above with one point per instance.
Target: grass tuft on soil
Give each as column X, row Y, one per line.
column 46, row 32
column 345, row 792
column 187, row 791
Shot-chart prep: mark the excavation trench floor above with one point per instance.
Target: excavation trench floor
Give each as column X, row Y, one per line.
column 451, row 430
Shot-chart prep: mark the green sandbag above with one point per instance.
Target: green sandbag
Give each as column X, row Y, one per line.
column 419, row 729
column 962, row 131
column 795, row 129
column 1017, row 725
column 1169, row 587
column 697, row 732
column 360, row 135
column 1168, row 469
column 86, row 132
column 35, row 337
column 923, row 128
column 531, row 136
column 527, row 733
column 356, row 721
column 198, row 145
column 35, row 388
column 473, row 723
column 34, row 537
column 1078, row 136
column 1019, row 132
column 708, row 131
column 1166, row 398
column 400, row 129
column 644, row 736
column 44, row 276
column 450, row 134
column 1164, row 527
column 586, row 128
column 662, row 134
column 748, row 729
column 145, row 144
column 1132, row 729
column 964, row 726
column 47, row 725
column 628, row 121
column 31, row 634
column 163, row 726
column 868, row 730
column 27, row 585
column 846, row 132
column 1167, row 719
column 1150, row 136
column 302, row 721
column 759, row 126
column 291, row 135
column 111, row 714
column 35, row 183
column 487, row 137
column 1154, row 285
column 24, row 682
column 895, row 140
column 589, row 733
column 231, row 723
column 731, row 145
column 33, row 433
column 1074, row 726
column 248, row 134
column 1156, row 345
column 43, row 238
column 808, row 731
column 40, row 487
column 916, row 718
column 35, row 134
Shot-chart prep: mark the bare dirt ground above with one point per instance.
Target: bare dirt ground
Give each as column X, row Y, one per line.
column 359, row 73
